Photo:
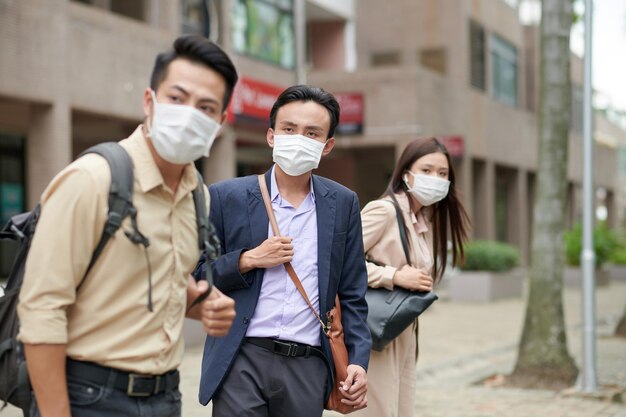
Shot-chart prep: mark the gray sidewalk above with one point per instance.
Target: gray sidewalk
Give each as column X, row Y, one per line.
column 461, row 343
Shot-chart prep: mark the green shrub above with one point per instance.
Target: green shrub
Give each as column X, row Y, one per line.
column 618, row 256
column 604, row 243
column 485, row 255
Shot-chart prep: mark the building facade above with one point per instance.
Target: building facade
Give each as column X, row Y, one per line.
column 73, row 72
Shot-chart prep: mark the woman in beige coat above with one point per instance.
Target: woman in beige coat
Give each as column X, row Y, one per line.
column 423, row 186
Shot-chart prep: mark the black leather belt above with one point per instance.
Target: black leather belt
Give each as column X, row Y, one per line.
column 285, row 348
column 134, row 385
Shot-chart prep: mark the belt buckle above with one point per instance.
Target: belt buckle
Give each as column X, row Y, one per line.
column 130, row 390
column 291, row 348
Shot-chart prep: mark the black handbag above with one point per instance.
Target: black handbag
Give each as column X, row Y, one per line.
column 391, row 312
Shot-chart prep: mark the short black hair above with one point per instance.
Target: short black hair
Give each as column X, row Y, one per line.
column 308, row 93
column 197, row 49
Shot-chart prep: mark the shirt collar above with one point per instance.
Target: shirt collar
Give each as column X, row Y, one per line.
column 419, row 221
column 275, row 194
column 146, row 170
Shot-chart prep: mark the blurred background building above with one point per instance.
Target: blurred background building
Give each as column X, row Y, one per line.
column 72, row 73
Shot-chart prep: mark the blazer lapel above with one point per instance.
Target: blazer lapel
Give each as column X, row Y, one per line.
column 325, row 206
column 257, row 215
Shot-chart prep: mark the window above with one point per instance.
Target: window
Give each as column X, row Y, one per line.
column 503, row 70
column 512, row 3
column 264, row 29
column 195, row 17
column 130, row 8
column 434, row 59
column 477, row 56
column 385, row 58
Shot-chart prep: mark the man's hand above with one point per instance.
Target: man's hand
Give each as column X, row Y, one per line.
column 272, row 252
column 413, row 279
column 354, row 388
column 217, row 312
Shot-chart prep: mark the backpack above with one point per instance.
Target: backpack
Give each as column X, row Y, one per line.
column 14, row 384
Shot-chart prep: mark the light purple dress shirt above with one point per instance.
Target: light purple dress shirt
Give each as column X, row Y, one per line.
column 281, row 312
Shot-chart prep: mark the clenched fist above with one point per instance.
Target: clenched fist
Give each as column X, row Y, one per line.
column 272, row 252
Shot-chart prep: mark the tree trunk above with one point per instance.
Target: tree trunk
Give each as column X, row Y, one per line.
column 543, row 359
column 620, row 330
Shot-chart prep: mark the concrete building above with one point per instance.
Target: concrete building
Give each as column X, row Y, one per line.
column 466, row 71
column 72, row 73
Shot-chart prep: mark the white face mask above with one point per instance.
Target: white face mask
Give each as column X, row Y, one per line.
column 181, row 134
column 297, row 154
column 427, row 189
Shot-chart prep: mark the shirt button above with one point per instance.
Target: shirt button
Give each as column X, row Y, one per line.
column 246, row 320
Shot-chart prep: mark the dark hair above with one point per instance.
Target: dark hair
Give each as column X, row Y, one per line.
column 308, row 93
column 448, row 212
column 200, row 50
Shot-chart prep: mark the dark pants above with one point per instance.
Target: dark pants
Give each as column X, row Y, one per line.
column 264, row 384
column 91, row 400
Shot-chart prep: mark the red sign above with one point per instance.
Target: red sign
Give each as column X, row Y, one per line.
column 252, row 100
column 455, row 145
column 351, row 116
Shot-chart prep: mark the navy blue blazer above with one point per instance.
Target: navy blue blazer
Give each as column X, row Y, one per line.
column 241, row 222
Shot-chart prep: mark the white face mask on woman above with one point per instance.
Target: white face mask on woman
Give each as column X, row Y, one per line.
column 427, row 189
column 181, row 134
column 297, row 154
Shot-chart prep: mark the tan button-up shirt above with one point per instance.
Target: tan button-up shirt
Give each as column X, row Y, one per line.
column 381, row 240
column 108, row 321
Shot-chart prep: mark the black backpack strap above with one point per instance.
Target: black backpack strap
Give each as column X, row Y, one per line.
column 207, row 238
column 402, row 227
column 120, row 193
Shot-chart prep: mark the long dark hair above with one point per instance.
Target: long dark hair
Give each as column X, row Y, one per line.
column 447, row 213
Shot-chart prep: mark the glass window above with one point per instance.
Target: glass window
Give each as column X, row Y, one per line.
column 477, row 55
column 129, row 8
column 264, row 29
column 503, row 70
column 195, row 17
column 512, row 3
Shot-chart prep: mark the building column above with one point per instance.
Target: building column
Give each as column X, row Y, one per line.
column 490, row 200
column 222, row 163
column 484, row 200
column 465, row 179
column 48, row 147
column 521, row 206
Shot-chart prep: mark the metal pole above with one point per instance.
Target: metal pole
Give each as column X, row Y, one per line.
column 588, row 380
column 299, row 13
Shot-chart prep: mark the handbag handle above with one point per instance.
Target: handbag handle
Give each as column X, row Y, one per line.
column 292, row 272
column 402, row 227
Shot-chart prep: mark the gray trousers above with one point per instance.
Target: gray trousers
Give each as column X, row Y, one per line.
column 265, row 384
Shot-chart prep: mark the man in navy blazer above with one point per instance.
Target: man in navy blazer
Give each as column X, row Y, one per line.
column 276, row 361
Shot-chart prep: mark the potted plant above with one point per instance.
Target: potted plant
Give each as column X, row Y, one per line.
column 489, row 273
column 604, row 244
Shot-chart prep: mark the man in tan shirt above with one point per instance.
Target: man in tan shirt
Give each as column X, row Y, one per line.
column 105, row 350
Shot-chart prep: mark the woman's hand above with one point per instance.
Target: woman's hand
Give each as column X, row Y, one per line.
column 413, row 279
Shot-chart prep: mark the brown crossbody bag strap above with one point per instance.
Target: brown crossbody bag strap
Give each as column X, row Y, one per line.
column 288, row 266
